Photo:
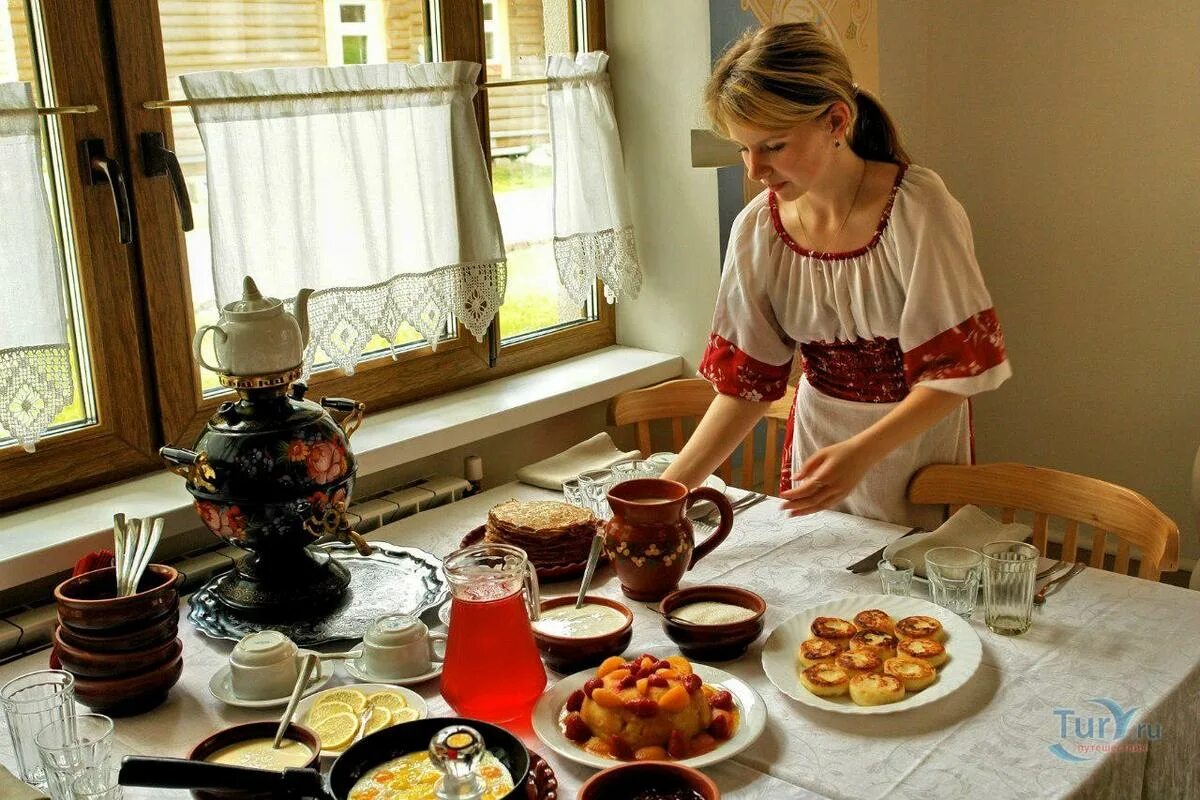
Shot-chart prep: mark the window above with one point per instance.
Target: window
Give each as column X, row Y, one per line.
column 134, row 308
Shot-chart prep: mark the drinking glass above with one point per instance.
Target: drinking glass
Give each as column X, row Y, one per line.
column 896, row 576
column 31, row 702
column 953, row 574
column 70, row 745
column 637, row 468
column 97, row 783
column 594, row 485
column 573, row 493
column 1009, row 577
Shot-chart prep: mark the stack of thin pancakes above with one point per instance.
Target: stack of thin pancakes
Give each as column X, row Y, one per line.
column 550, row 532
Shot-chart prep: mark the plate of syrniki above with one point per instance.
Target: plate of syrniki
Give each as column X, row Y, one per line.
column 871, row 654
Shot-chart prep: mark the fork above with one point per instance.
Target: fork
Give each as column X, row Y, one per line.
column 1057, row 583
column 710, row 519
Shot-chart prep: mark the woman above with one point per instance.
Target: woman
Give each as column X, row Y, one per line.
column 861, row 261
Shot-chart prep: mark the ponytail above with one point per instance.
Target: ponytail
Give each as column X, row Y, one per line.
column 874, row 136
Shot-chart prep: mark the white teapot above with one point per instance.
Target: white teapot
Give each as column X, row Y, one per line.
column 255, row 336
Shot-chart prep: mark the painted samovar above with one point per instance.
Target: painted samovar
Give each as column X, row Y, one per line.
column 272, row 473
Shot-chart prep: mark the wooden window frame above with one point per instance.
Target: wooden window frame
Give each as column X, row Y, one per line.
column 145, row 297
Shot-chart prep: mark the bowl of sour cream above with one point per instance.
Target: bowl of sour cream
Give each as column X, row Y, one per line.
column 713, row 622
column 571, row 639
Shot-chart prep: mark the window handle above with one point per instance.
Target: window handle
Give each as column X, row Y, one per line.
column 158, row 160
column 98, row 169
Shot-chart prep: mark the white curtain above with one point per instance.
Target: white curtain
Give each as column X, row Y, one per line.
column 593, row 231
column 35, row 363
column 366, row 183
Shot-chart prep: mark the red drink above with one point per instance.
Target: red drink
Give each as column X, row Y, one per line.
column 493, row 671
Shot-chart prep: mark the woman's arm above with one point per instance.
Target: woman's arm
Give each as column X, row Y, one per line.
column 832, row 472
column 723, row 427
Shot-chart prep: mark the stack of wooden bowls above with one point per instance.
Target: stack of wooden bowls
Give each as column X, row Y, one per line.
column 123, row 651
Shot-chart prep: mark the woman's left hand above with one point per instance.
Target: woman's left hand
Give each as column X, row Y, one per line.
column 827, row 477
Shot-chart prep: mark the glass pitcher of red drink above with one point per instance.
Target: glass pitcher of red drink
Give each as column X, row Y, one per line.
column 492, row 670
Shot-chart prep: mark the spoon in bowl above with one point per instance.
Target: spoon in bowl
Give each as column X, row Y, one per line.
column 590, row 569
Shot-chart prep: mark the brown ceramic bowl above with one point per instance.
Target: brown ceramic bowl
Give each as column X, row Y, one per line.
column 89, row 602
column 713, row 642
column 83, row 663
column 627, row 780
column 130, row 694
column 151, row 634
column 565, row 654
column 241, row 733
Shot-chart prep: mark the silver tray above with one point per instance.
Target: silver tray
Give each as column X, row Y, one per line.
column 392, row 580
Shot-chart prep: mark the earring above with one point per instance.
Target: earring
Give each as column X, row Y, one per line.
column 836, row 143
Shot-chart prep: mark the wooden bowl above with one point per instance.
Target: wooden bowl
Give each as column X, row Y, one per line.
column 251, row 730
column 130, row 694
column 150, row 634
column 89, row 602
column 565, row 654
column 625, row 781
column 83, row 663
column 713, row 642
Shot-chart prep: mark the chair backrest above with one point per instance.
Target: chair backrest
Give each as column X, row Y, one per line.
column 683, row 402
column 1104, row 507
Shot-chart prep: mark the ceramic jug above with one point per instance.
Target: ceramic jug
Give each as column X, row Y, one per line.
column 255, row 335
column 650, row 540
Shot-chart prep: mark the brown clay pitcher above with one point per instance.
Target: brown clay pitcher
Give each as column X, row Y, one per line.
column 649, row 539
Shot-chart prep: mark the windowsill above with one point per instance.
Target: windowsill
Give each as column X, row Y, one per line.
column 49, row 538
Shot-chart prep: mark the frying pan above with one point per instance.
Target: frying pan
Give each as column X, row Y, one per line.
column 362, row 756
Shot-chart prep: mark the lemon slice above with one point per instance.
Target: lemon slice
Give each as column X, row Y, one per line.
column 406, row 714
column 392, row 701
column 380, row 718
column 337, row 731
column 351, row 697
column 323, row 711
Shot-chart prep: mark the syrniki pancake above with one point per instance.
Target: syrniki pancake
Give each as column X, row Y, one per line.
column 875, row 689
column 874, row 619
column 835, row 629
column 920, row 627
column 817, row 651
column 825, row 680
column 880, row 643
column 858, row 662
column 927, row 650
column 914, row 674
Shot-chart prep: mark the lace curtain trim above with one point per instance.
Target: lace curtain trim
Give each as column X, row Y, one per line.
column 35, row 386
column 610, row 255
column 343, row 320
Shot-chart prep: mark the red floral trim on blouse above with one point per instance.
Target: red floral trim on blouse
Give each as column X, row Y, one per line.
column 864, row 370
column 732, row 372
column 970, row 348
column 829, row 256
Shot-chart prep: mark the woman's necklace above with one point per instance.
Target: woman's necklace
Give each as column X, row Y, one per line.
column 845, row 219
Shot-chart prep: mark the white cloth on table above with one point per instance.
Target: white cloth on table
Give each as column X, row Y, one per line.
column 909, row 309
column 597, row 452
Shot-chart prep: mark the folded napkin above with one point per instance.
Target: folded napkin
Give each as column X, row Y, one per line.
column 969, row 527
column 13, row 789
column 597, row 452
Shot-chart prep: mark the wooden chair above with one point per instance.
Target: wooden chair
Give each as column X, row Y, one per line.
column 1108, row 509
column 686, row 400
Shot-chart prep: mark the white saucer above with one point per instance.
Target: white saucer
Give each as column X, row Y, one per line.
column 356, row 670
column 221, row 686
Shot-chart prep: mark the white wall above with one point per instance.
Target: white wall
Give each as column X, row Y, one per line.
column 660, row 58
column 1070, row 133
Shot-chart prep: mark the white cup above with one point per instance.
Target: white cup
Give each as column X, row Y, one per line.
column 400, row 646
column 264, row 666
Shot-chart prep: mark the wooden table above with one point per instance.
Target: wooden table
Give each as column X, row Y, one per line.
column 1103, row 637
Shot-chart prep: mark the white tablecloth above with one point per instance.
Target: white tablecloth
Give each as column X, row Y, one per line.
column 1103, row 637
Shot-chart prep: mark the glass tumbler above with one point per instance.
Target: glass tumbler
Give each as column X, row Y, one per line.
column 71, row 745
column 593, row 486
column 31, row 702
column 572, row 493
column 896, row 576
column 97, row 783
column 953, row 574
column 1009, row 578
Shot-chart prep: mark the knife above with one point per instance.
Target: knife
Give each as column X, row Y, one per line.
column 868, row 564
column 1040, row 597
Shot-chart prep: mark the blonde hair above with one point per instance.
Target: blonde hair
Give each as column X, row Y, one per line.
column 782, row 75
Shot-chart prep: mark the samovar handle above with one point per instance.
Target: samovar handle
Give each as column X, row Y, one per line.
column 353, row 410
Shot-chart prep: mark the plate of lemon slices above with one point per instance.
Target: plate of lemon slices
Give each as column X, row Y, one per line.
column 343, row 715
